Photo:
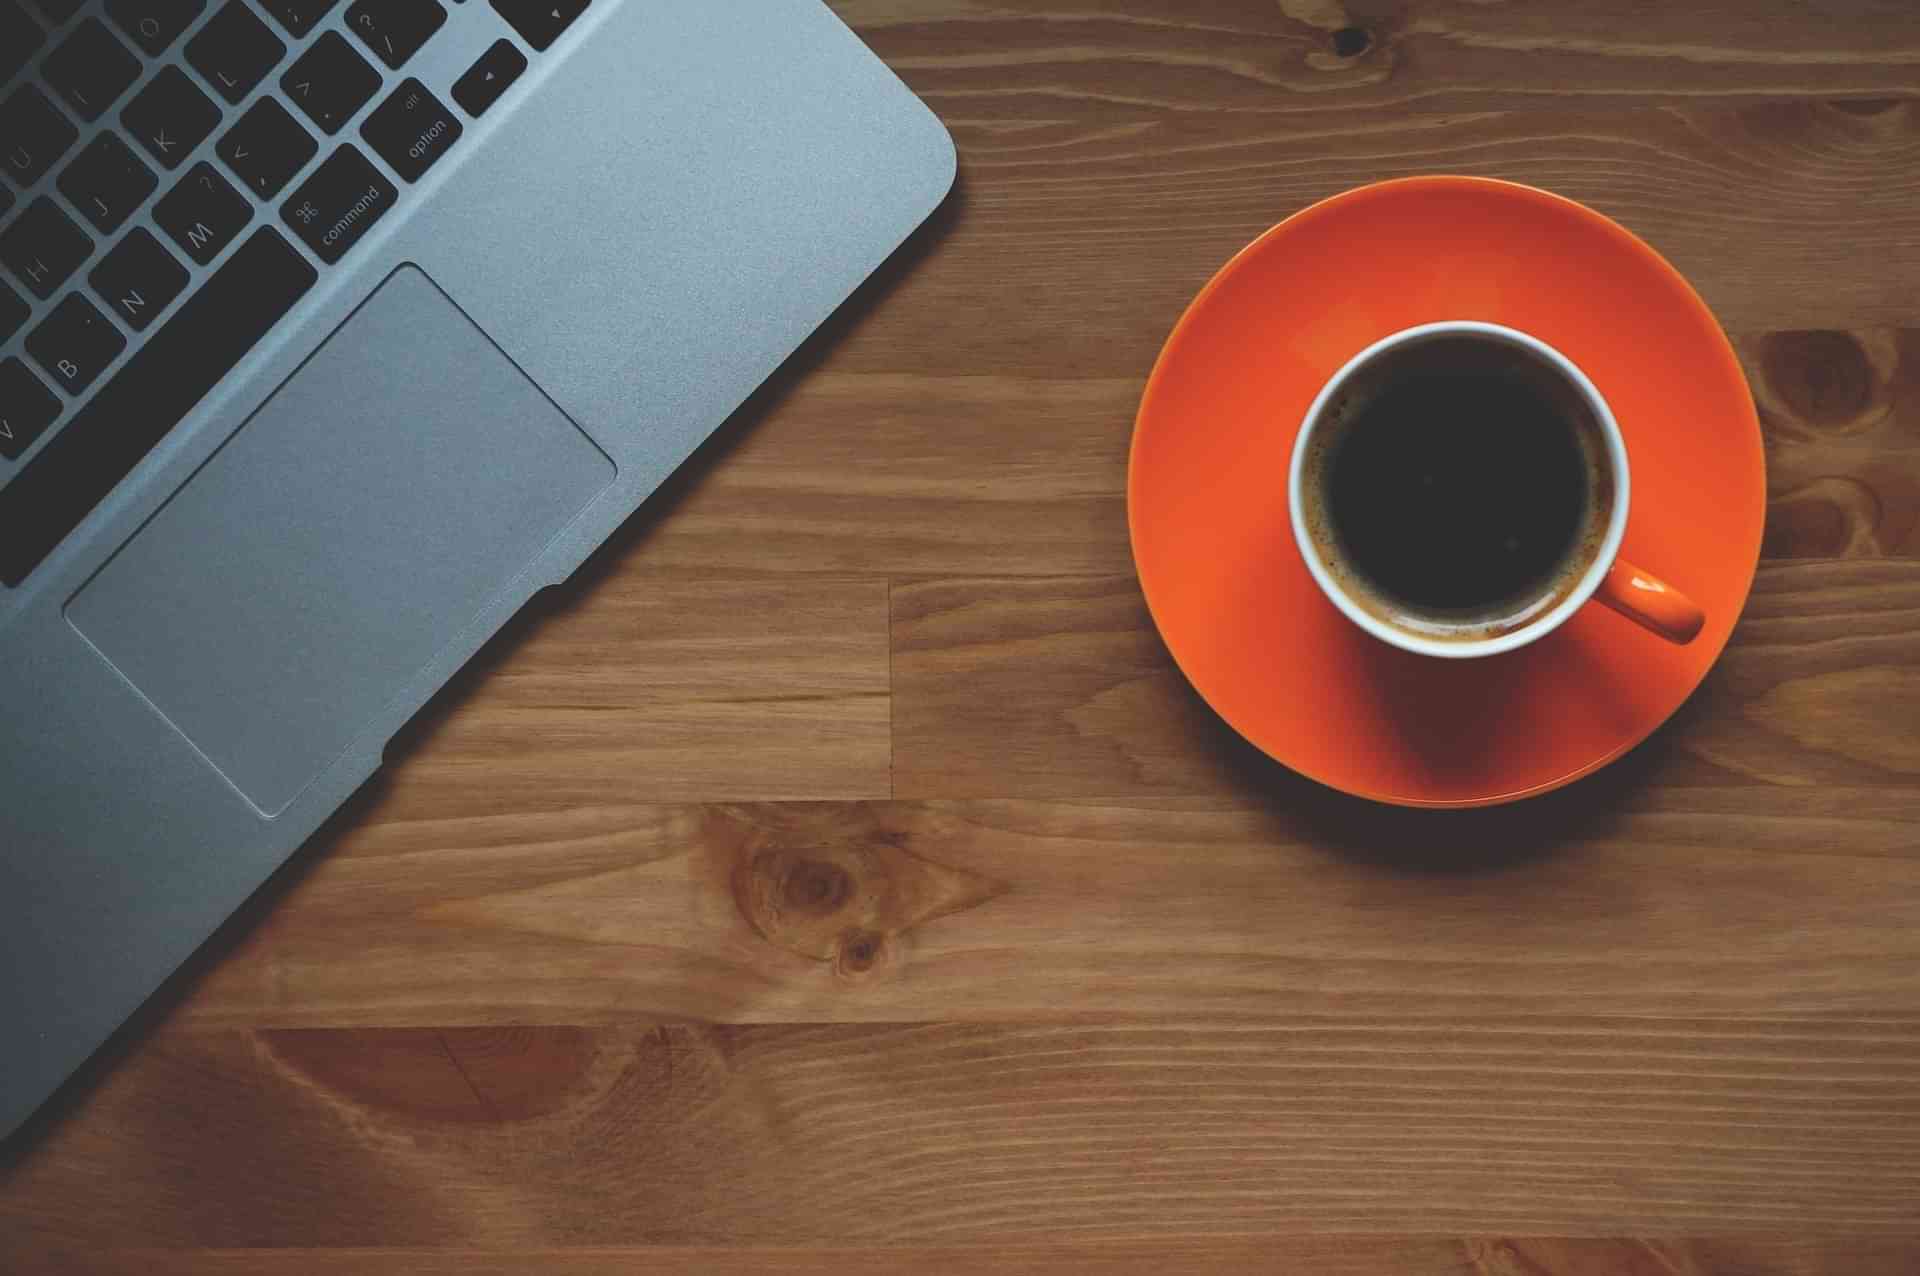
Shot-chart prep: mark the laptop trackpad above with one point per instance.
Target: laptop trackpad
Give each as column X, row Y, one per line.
column 340, row 540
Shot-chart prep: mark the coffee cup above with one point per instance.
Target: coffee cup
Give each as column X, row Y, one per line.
column 1461, row 489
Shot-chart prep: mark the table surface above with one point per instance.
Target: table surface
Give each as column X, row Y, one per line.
column 837, row 874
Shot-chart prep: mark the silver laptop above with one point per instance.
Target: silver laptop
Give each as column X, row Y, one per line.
column 330, row 331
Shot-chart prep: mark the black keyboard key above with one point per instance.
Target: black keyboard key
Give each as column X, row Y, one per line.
column 298, row 16
column 182, row 360
column 90, row 69
column 266, row 148
column 154, row 24
column 13, row 312
column 540, row 22
column 106, row 182
column 27, row 408
column 20, row 39
column 138, row 279
column 33, row 134
column 234, row 51
column 395, row 29
column 59, row 11
column 203, row 213
column 170, row 116
column 6, row 199
column 488, row 78
column 43, row 247
column 339, row 204
column 75, row 343
column 411, row 130
column 330, row 82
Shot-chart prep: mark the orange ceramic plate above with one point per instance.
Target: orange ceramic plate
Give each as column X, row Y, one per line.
column 1207, row 489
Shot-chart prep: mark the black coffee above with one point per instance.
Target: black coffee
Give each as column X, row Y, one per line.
column 1460, row 483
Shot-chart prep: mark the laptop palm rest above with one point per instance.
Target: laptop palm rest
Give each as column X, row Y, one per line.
column 352, row 529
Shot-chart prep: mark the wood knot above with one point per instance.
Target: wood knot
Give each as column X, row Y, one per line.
column 1351, row 42
column 861, row 951
column 1824, row 380
column 802, row 898
column 1832, row 516
column 833, row 883
column 1353, row 52
column 815, row 886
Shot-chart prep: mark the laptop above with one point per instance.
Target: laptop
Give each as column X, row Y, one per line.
column 330, row 332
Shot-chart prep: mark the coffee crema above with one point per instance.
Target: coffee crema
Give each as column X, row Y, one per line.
column 1458, row 488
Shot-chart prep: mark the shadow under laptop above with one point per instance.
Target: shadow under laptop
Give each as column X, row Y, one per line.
column 73, row 1095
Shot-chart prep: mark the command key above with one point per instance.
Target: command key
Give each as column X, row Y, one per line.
column 335, row 207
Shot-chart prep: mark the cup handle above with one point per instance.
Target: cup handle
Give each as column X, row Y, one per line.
column 1651, row 603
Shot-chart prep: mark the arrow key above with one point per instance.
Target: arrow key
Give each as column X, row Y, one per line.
column 491, row 76
column 540, row 22
column 330, row 82
column 27, row 408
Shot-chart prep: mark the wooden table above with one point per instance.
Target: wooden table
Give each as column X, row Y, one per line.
column 837, row 875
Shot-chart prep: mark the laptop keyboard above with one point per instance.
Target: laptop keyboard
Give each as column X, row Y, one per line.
column 104, row 112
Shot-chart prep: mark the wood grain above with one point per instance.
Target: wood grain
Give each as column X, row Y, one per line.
column 1115, row 154
column 1026, row 476
column 674, row 689
column 1323, row 1256
column 913, row 474
column 1626, row 899
column 893, row 1135
column 1279, row 56
column 1027, row 687
column 837, row 874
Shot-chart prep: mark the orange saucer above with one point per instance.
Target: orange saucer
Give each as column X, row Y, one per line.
column 1207, row 489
